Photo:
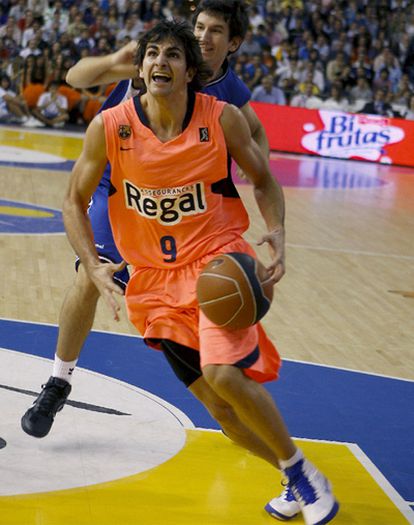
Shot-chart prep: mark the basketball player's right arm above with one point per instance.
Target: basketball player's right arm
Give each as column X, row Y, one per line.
column 95, row 71
column 86, row 174
column 269, row 195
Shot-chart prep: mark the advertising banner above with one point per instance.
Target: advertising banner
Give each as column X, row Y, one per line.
column 337, row 134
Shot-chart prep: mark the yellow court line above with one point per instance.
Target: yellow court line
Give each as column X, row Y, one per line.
column 68, row 147
column 24, row 212
column 209, row 482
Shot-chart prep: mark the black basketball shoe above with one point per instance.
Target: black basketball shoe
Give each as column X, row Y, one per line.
column 38, row 420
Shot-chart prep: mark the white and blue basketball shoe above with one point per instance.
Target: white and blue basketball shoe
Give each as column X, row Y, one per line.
column 311, row 492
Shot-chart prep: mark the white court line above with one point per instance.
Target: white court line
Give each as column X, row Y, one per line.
column 310, row 363
column 138, row 336
column 352, row 252
column 402, row 505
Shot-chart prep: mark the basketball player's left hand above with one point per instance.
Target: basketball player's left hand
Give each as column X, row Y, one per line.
column 276, row 241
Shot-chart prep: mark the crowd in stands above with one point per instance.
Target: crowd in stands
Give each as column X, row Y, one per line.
column 354, row 55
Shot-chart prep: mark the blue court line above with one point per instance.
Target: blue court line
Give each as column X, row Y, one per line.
column 318, row 402
column 67, row 165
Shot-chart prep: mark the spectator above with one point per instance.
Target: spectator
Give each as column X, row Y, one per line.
column 305, row 48
column 335, row 67
column 275, row 32
column 31, row 25
column 129, row 30
column 323, row 48
column 98, row 28
column 52, row 107
column 379, row 106
column 313, row 74
column 268, row 93
column 41, row 42
column 409, row 115
column 34, row 79
column 363, row 62
column 268, row 60
column 402, row 48
column 336, row 100
column 404, row 89
column 17, row 10
column 288, row 75
column 10, row 44
column 102, row 47
column 112, row 20
column 84, row 41
column 11, row 30
column 249, row 45
column 256, row 19
column 76, row 27
column 307, row 99
column 261, row 36
column 281, row 51
column 169, row 9
column 382, row 80
column 31, row 49
column 360, row 94
column 13, row 107
column 154, row 14
column 254, row 71
column 67, row 46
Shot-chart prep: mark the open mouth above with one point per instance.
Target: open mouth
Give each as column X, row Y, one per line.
column 161, row 78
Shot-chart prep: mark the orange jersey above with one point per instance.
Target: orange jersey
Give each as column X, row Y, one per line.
column 171, row 203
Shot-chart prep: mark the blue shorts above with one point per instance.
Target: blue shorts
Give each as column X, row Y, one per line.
column 102, row 232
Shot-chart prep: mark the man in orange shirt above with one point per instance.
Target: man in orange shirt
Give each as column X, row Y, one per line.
column 172, row 194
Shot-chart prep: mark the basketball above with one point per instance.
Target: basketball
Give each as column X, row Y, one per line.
column 234, row 290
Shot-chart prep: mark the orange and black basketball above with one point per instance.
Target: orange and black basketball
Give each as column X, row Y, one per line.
column 234, row 290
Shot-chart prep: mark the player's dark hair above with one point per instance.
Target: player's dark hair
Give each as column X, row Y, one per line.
column 234, row 13
column 180, row 32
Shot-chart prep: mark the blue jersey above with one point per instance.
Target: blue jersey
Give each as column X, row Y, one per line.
column 229, row 88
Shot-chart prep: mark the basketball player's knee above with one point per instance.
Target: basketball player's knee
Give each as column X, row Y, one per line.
column 219, row 377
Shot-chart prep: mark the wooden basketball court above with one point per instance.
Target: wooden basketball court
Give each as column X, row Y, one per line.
column 346, row 303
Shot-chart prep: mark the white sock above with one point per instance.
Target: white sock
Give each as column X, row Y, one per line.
column 63, row 369
column 286, row 463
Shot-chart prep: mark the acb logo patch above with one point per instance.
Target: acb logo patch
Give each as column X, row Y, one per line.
column 124, row 131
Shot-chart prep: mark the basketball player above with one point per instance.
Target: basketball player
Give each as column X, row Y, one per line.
column 220, row 27
column 171, row 192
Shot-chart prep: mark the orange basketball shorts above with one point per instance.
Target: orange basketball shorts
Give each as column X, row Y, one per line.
column 162, row 304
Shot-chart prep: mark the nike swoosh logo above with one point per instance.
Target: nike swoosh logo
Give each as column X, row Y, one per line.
column 125, row 149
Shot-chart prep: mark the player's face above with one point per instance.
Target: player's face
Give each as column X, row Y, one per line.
column 212, row 33
column 164, row 68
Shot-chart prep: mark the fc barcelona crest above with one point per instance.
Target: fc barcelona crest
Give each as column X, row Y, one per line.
column 124, row 131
